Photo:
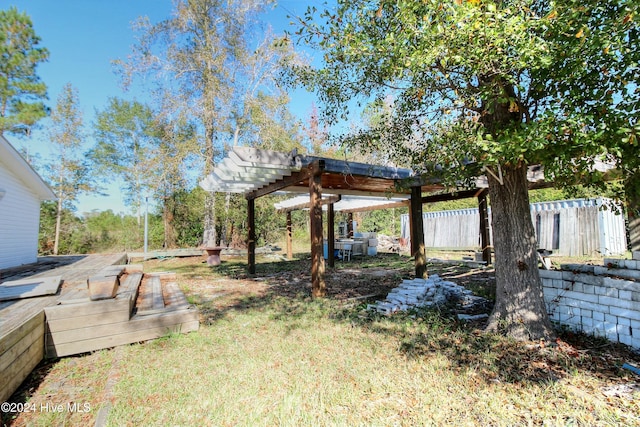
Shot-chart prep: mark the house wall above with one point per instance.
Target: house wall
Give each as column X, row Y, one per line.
column 19, row 221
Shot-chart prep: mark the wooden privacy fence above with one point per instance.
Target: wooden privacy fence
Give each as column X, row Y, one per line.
column 566, row 227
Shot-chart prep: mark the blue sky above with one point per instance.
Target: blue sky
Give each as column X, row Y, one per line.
column 84, row 36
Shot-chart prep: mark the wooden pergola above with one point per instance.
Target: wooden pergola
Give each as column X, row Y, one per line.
column 256, row 173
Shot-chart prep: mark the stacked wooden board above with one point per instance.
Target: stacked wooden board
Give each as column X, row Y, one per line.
column 145, row 307
column 21, row 349
column 38, row 324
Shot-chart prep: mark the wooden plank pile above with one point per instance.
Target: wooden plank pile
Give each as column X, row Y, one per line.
column 144, row 307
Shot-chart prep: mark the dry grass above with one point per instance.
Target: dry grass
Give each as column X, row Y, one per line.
column 267, row 354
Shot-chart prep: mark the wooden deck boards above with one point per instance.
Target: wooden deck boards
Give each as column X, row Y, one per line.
column 22, row 322
column 70, row 323
column 146, row 307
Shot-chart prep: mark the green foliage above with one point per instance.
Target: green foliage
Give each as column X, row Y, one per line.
column 494, row 82
column 384, row 221
column 186, row 211
column 68, row 171
column 127, row 137
column 73, row 239
column 21, row 91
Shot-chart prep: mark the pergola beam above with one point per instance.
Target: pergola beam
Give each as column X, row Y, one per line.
column 294, row 178
column 418, row 250
column 318, row 285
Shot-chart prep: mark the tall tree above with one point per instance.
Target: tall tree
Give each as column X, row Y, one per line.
column 196, row 52
column 126, row 136
column 21, row 91
column 68, row 170
column 494, row 84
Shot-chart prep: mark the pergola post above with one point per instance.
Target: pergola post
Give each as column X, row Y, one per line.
column 483, row 210
column 318, row 285
column 331, row 235
column 350, row 225
column 251, row 235
column 289, row 236
column 417, row 233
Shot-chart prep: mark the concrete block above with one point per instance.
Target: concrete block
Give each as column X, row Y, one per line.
column 610, row 318
column 623, row 330
column 621, row 284
column 624, row 321
column 598, row 329
column 611, row 336
column 582, row 278
column 584, row 305
column 625, row 339
column 587, row 322
column 561, row 284
column 586, row 313
column 621, row 312
column 577, row 287
column 618, row 272
column 593, row 298
column 577, row 268
column 551, row 274
column 609, row 292
column 635, row 324
column 616, row 302
column 635, row 255
column 635, row 296
column 589, row 289
column 613, row 262
column 625, row 295
column 598, row 316
column 632, row 264
column 635, row 343
column 566, row 316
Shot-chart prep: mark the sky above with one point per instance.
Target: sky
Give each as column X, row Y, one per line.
column 83, row 37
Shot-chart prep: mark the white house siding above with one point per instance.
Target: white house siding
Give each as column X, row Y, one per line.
column 19, row 221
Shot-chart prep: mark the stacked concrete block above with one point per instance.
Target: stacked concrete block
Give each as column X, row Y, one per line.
column 599, row 300
column 422, row 293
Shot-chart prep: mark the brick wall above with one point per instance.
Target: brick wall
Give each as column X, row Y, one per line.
column 598, row 300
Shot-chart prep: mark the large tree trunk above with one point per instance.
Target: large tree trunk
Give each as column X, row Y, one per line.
column 519, row 311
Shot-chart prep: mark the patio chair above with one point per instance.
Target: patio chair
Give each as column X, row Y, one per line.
column 346, row 252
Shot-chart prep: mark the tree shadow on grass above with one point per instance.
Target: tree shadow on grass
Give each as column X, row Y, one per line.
column 497, row 359
column 285, row 290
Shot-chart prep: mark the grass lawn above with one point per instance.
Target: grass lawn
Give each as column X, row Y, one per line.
column 267, row 354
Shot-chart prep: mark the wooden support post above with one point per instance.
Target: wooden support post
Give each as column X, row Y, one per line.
column 417, row 233
column 350, row 225
column 331, row 235
column 289, row 236
column 483, row 211
column 318, row 285
column 251, row 235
